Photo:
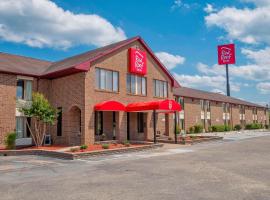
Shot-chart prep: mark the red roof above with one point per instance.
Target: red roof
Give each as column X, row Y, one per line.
column 78, row 63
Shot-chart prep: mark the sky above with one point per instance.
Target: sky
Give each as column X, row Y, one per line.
column 184, row 35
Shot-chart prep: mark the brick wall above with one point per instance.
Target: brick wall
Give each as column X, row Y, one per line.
column 118, row 61
column 7, row 105
column 192, row 112
column 216, row 113
column 235, row 115
column 248, row 115
column 67, row 92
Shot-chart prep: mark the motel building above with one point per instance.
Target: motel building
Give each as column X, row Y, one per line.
column 117, row 92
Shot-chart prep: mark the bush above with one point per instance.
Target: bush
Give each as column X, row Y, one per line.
column 218, row 128
column 253, row 126
column 105, row 146
column 83, row 147
column 10, row 140
column 227, row 128
column 126, row 143
column 198, row 128
column 191, row 129
column 237, row 127
column 266, row 126
column 74, row 149
column 178, row 130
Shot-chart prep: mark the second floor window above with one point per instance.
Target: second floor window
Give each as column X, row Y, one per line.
column 107, row 80
column 136, row 84
column 181, row 102
column 24, row 90
column 160, row 88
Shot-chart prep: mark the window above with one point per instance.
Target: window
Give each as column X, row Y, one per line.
column 242, row 109
column 136, row 84
column 226, row 107
column 22, row 130
column 107, row 80
column 140, row 122
column 207, row 106
column 181, row 102
column 202, row 105
column 98, row 123
column 59, row 122
column 160, row 88
column 24, row 90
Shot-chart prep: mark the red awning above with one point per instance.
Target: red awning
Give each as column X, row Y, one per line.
column 110, row 106
column 162, row 106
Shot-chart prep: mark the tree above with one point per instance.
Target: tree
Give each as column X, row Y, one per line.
column 42, row 113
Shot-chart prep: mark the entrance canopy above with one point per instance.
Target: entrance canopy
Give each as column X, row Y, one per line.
column 160, row 106
column 109, row 106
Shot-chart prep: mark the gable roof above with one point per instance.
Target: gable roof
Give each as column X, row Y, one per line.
column 83, row 61
column 70, row 65
column 22, row 65
column 200, row 94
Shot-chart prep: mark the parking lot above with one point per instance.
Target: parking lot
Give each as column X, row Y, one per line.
column 236, row 168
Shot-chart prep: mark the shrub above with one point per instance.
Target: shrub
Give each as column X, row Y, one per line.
column 198, row 128
column 253, row 126
column 83, row 147
column 105, row 146
column 10, row 140
column 191, row 129
column 178, row 130
column 220, row 128
column 126, row 143
column 237, row 127
column 74, row 149
column 227, row 128
column 266, row 126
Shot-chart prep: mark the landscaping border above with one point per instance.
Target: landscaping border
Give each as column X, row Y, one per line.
column 192, row 141
column 77, row 155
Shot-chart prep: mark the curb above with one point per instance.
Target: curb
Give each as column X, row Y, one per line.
column 74, row 156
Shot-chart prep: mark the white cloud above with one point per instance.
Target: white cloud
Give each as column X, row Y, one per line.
column 209, row 8
column 263, row 87
column 218, row 91
column 41, row 23
column 246, row 25
column 170, row 61
column 257, row 70
column 205, row 82
column 179, row 4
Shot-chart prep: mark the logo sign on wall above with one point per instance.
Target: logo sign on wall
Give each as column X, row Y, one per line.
column 137, row 63
column 226, row 54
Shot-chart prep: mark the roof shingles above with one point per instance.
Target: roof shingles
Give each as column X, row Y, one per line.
column 199, row 94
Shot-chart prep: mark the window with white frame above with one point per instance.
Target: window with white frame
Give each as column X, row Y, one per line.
column 160, row 88
column 24, row 89
column 136, row 84
column 107, row 80
column 22, row 130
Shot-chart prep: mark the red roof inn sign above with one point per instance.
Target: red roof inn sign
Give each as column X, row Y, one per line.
column 226, row 54
column 137, row 60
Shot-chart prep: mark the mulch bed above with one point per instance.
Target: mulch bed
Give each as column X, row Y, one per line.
column 48, row 148
column 191, row 139
column 98, row 147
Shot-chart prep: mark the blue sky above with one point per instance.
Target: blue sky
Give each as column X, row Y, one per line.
column 184, row 34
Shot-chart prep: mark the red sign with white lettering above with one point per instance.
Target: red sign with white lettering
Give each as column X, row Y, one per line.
column 137, row 60
column 226, row 54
